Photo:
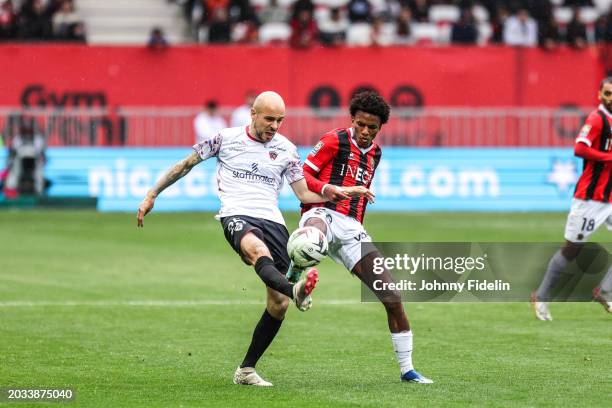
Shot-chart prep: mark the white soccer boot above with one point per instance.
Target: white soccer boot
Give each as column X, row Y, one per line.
column 541, row 310
column 606, row 301
column 248, row 376
column 303, row 289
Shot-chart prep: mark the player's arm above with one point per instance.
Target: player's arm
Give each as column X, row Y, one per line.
column 589, row 134
column 589, row 153
column 331, row 192
column 306, row 196
column 180, row 169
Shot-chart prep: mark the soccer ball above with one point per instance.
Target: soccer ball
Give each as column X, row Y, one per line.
column 307, row 246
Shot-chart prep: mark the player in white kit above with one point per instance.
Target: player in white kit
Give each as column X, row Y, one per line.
column 252, row 162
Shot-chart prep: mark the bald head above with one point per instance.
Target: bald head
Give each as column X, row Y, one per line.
column 267, row 114
column 269, row 100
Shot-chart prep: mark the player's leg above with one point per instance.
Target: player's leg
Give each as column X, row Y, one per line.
column 584, row 218
column 270, row 261
column 265, row 331
column 401, row 334
column 256, row 253
column 603, row 292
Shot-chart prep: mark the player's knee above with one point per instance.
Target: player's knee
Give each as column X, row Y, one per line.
column 393, row 305
column 257, row 251
column 278, row 305
column 571, row 250
column 317, row 223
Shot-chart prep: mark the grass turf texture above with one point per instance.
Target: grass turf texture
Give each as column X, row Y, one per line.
column 116, row 354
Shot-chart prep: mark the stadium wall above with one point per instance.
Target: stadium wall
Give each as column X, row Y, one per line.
column 66, row 75
column 408, row 179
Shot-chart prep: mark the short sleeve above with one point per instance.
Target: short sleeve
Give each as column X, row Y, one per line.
column 294, row 171
column 209, row 147
column 323, row 152
column 591, row 130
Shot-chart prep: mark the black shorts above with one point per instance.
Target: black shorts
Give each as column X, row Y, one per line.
column 274, row 235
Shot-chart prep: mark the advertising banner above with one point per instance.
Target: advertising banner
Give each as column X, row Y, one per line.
column 58, row 76
column 407, row 179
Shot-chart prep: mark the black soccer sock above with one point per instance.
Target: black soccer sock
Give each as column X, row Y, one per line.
column 264, row 333
column 272, row 277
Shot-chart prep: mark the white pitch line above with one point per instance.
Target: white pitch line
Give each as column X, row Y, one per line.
column 154, row 303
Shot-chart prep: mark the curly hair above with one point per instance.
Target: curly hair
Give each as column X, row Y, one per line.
column 372, row 103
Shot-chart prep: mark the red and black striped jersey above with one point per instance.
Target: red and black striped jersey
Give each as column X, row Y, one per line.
column 339, row 161
column 595, row 183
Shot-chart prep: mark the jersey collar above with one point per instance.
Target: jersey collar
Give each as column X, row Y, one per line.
column 248, row 133
column 364, row 151
column 604, row 110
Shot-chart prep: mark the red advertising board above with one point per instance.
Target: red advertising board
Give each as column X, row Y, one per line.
column 66, row 75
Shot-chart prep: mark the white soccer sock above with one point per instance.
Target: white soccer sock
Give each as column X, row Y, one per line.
column 402, row 344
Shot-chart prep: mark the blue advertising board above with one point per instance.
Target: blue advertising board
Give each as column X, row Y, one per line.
column 408, row 179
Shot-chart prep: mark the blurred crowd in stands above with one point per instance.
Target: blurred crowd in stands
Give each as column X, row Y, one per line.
column 40, row 20
column 306, row 23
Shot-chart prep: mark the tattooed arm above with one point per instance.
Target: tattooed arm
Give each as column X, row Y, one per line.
column 180, row 169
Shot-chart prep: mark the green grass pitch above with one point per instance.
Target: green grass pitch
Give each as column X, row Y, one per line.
column 110, row 316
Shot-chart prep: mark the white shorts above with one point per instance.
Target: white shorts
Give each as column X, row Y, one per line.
column 344, row 235
column 585, row 217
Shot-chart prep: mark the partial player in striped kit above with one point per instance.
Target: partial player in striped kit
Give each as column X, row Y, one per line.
column 591, row 206
column 349, row 157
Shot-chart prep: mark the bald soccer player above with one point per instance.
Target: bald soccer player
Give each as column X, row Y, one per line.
column 251, row 163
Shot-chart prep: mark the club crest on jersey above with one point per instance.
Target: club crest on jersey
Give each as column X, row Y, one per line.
column 372, row 162
column 273, row 155
column 316, row 148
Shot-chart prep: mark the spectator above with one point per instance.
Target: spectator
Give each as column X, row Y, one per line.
column 381, row 35
column 420, row 10
column 603, row 29
column 241, row 11
column 34, row 22
column 464, row 31
column 300, row 5
column 332, row 28
column 26, row 163
column 548, row 34
column 273, row 13
column 64, row 19
column 211, row 7
column 241, row 116
column 208, row 122
column 303, row 30
column 8, row 21
column 76, row 33
column 157, row 39
column 359, row 11
column 219, row 30
column 403, row 23
column 497, row 25
column 388, row 10
column 576, row 31
column 521, row 30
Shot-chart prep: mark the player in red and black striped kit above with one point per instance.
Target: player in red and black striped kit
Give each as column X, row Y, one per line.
column 340, row 161
column 349, row 157
column 591, row 206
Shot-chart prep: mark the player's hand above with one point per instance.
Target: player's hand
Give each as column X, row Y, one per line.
column 335, row 194
column 359, row 191
column 145, row 207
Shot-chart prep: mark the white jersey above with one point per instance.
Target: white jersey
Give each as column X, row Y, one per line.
column 250, row 173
